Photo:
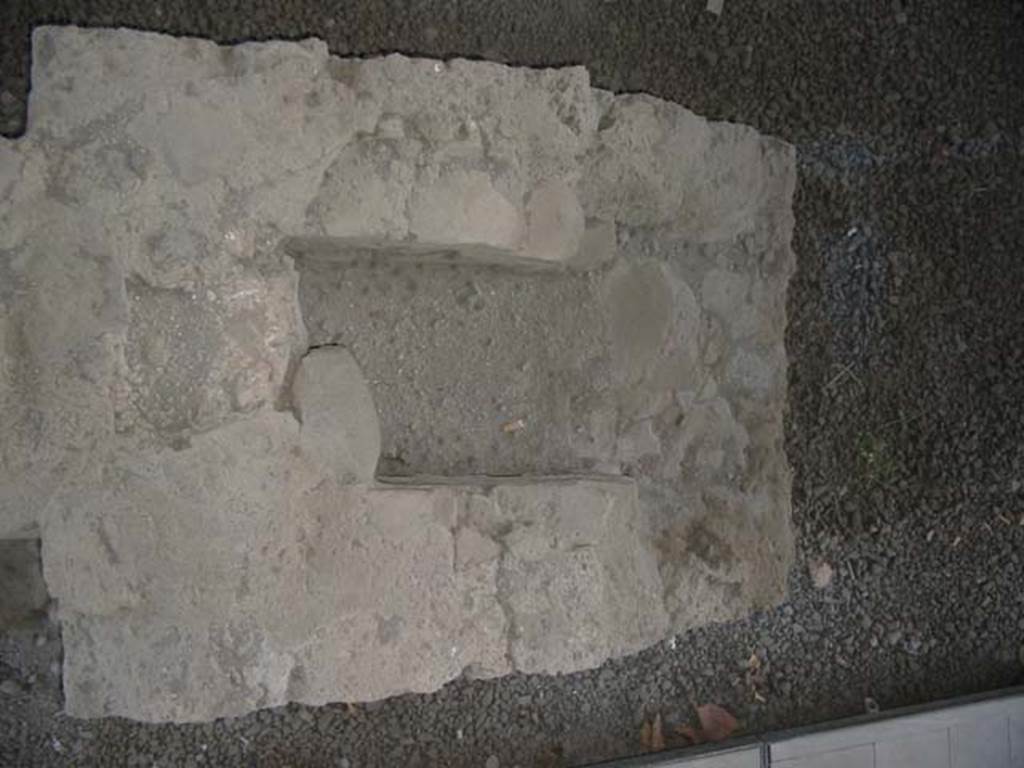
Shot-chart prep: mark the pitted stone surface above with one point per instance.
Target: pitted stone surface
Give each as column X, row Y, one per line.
column 213, row 546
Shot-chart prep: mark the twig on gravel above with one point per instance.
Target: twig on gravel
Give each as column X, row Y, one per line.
column 844, row 370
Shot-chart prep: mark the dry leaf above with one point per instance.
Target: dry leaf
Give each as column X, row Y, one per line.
column 645, row 735
column 657, row 734
column 511, row 427
column 716, row 722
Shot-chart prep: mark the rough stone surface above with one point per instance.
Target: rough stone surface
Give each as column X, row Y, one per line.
column 207, row 555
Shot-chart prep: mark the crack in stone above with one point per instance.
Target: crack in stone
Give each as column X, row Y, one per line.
column 501, row 588
column 502, row 595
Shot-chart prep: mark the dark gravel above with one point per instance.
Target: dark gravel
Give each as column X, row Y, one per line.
column 906, row 341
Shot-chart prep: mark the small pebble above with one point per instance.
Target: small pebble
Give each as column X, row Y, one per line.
column 10, row 687
column 821, row 574
column 492, row 762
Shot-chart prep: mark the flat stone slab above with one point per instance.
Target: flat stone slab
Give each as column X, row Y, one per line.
column 204, row 484
column 232, row 575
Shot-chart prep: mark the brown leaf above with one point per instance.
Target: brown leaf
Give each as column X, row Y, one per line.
column 716, row 722
column 657, row 735
column 552, row 758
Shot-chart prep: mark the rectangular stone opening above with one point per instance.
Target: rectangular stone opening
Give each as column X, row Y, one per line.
column 474, row 368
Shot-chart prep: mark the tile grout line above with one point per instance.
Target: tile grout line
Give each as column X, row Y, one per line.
column 1009, row 741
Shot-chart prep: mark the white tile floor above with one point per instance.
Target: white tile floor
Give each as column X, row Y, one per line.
column 981, row 734
column 975, row 733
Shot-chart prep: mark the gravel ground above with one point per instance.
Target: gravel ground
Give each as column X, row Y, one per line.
column 906, row 342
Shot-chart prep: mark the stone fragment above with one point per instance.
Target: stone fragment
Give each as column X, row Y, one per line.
column 821, row 574
column 339, row 420
column 554, row 222
column 656, row 164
